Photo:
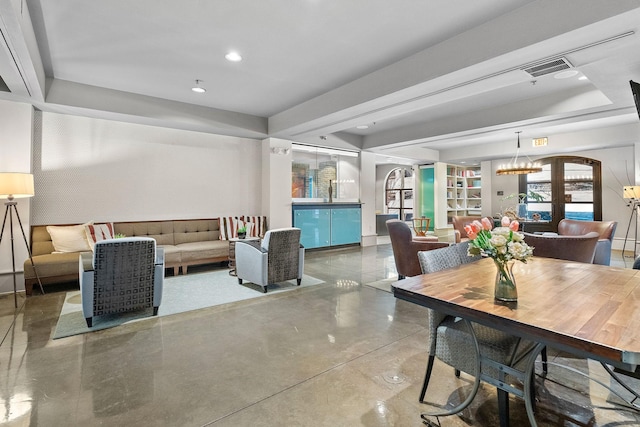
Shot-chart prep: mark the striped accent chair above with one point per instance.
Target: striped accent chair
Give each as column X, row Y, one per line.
column 121, row 275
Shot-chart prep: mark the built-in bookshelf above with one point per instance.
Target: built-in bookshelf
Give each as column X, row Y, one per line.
column 464, row 191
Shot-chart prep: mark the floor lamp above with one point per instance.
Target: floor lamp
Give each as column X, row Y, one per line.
column 632, row 193
column 14, row 185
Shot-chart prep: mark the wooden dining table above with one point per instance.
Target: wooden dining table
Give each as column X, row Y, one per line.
column 591, row 311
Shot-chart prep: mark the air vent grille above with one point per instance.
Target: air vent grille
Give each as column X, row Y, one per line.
column 548, row 67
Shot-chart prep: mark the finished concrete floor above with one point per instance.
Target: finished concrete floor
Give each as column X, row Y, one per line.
column 341, row 353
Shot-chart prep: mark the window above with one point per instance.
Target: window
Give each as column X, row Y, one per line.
column 316, row 169
column 399, row 193
column 568, row 187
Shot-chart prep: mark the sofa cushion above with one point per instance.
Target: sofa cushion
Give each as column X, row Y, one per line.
column 162, row 231
column 212, row 249
column 69, row 238
column 171, row 254
column 195, row 230
column 51, row 265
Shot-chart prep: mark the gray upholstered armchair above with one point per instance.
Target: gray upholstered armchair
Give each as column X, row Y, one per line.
column 279, row 257
column 121, row 275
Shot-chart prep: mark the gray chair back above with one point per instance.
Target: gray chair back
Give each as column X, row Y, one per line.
column 284, row 254
column 123, row 275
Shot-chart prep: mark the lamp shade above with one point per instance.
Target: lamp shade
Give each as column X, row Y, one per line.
column 16, row 185
column 631, row 192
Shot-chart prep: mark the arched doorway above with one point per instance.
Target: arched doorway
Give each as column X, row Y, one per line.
column 398, row 193
column 568, row 187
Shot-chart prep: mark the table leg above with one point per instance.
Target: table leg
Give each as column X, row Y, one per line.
column 529, row 379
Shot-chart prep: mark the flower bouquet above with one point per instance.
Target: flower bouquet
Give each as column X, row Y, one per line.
column 504, row 245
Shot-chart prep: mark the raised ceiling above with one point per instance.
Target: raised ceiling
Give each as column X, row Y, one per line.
column 431, row 79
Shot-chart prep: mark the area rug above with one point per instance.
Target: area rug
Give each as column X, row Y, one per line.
column 180, row 294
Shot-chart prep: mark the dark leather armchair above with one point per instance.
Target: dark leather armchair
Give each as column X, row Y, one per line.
column 571, row 248
column 605, row 229
column 459, row 223
column 405, row 249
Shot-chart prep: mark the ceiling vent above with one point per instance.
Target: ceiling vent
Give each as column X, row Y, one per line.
column 548, row 67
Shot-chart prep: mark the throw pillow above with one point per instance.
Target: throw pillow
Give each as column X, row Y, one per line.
column 98, row 232
column 258, row 228
column 69, row 238
column 226, row 228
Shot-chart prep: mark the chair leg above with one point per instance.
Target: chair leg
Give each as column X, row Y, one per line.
column 457, row 373
column 239, row 281
column 299, row 281
column 89, row 321
column 427, row 376
column 400, row 277
column 155, row 311
column 264, row 289
column 543, row 354
column 503, row 408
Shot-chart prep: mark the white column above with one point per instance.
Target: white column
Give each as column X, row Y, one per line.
column 368, row 197
column 276, row 182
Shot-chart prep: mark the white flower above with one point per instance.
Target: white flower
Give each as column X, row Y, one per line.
column 498, row 241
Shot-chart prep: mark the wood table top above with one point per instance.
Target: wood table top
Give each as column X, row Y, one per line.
column 587, row 309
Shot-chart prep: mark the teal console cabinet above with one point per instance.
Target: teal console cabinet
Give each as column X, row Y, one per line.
column 328, row 224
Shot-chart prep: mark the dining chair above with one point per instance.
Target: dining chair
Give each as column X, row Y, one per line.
column 450, row 340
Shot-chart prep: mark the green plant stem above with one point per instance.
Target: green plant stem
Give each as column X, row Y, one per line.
column 505, row 271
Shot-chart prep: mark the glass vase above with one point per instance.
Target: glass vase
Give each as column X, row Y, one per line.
column 505, row 286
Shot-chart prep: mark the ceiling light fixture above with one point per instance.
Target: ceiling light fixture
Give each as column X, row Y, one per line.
column 515, row 168
column 197, row 88
column 233, row 57
column 362, row 127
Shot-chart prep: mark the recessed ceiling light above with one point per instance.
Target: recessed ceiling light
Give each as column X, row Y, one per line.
column 583, row 78
column 197, row 88
column 233, row 57
column 362, row 127
column 565, row 74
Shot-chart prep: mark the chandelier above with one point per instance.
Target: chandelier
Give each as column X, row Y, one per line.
column 518, row 168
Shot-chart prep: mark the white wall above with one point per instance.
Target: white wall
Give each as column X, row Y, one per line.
column 15, row 139
column 92, row 169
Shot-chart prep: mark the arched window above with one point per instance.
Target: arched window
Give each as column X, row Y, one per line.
column 568, row 187
column 399, row 193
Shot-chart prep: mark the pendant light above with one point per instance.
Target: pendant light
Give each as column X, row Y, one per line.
column 197, row 88
column 518, row 168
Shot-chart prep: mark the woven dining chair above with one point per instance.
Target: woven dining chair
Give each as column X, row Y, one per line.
column 450, row 339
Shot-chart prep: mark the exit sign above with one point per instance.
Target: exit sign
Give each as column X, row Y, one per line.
column 540, row 142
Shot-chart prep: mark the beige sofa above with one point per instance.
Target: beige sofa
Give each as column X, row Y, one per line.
column 185, row 243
